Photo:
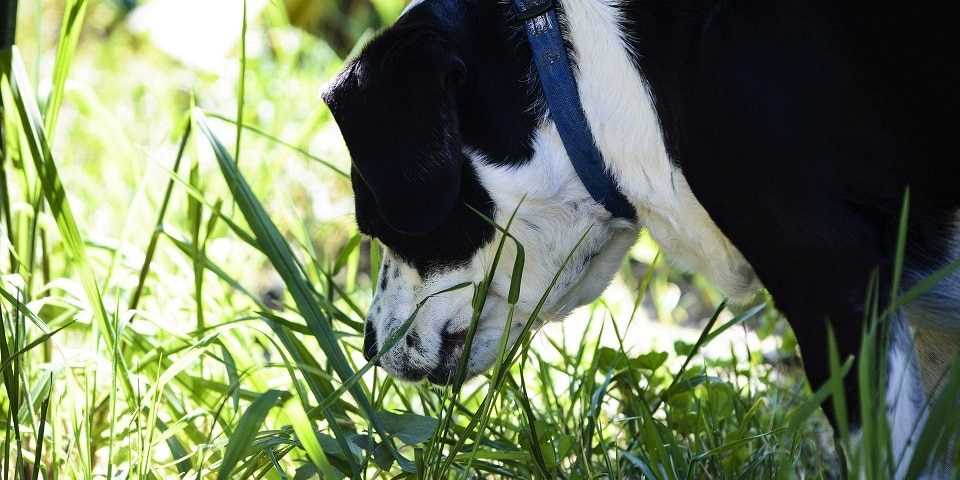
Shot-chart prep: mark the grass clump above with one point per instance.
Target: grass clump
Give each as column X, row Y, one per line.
column 137, row 341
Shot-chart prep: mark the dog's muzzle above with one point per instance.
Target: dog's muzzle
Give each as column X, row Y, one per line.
column 399, row 362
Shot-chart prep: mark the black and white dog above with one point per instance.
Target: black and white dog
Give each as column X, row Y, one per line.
column 763, row 143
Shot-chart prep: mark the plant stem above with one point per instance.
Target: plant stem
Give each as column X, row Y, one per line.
column 8, row 29
column 8, row 23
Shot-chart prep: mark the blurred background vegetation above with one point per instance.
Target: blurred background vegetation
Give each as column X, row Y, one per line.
column 206, row 378
column 340, row 22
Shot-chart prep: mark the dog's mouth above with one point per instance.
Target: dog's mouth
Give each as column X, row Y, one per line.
column 412, row 359
column 405, row 361
column 451, row 350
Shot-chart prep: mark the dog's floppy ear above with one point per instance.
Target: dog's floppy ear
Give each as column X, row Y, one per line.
column 396, row 108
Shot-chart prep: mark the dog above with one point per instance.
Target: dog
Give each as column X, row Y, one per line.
column 763, row 144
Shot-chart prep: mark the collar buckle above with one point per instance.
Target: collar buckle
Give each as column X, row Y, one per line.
column 529, row 9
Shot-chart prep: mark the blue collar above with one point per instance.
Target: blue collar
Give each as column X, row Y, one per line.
column 539, row 20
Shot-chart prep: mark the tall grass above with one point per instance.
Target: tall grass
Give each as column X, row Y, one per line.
column 137, row 341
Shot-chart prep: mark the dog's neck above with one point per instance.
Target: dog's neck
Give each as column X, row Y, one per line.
column 621, row 110
column 623, row 47
column 616, row 99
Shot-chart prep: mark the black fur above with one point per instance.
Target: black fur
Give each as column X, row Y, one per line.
column 799, row 125
column 369, row 341
column 449, row 75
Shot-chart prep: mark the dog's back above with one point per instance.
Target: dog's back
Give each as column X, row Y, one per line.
column 807, row 123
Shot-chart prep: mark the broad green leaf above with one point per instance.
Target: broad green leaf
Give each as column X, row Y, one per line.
column 410, row 428
column 649, row 360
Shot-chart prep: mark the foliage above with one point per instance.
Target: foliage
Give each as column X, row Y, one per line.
column 140, row 338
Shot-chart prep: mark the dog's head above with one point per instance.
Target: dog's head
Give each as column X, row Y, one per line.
column 444, row 118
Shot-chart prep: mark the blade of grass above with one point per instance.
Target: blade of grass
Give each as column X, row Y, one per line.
column 73, row 16
column 195, row 218
column 701, row 341
column 642, row 290
column 839, row 395
column 743, row 317
column 198, row 195
column 70, row 27
column 523, row 398
column 11, row 384
column 155, row 236
column 242, row 83
column 191, row 250
column 21, row 308
column 939, row 433
column 278, row 252
column 333, row 412
column 278, row 141
column 376, row 257
column 33, row 344
column 497, row 383
column 303, row 427
column 8, row 29
column 245, row 433
column 868, row 381
column 57, row 199
column 296, row 411
column 38, row 455
column 922, row 287
column 345, row 252
column 803, row 411
column 478, row 301
column 388, row 345
column 901, row 245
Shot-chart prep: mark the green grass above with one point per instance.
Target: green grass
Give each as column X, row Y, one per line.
column 136, row 342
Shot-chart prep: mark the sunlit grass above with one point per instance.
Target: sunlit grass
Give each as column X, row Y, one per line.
column 138, row 340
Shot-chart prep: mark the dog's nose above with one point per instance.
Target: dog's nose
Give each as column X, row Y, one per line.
column 369, row 342
column 451, row 349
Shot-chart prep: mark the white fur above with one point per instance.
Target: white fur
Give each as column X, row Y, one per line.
column 915, row 375
column 555, row 210
column 409, row 6
column 905, row 399
column 620, row 110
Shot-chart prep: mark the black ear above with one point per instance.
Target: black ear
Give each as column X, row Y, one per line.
column 396, row 108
